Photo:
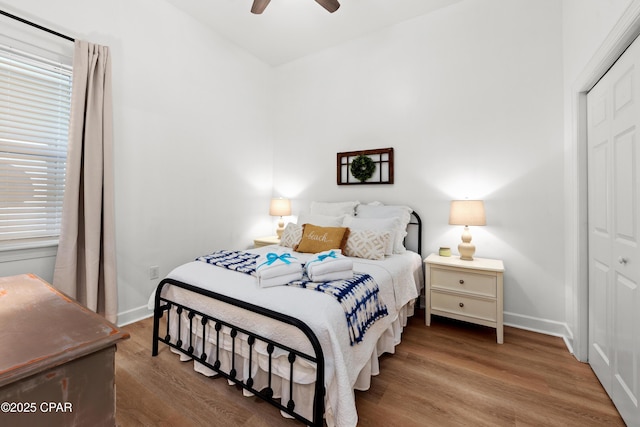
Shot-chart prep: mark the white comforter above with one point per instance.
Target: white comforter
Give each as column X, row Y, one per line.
column 399, row 278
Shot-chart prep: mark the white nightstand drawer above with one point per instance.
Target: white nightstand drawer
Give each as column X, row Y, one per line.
column 463, row 305
column 464, row 281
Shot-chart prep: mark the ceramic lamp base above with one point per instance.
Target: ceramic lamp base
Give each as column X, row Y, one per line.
column 466, row 248
column 466, row 251
column 280, row 228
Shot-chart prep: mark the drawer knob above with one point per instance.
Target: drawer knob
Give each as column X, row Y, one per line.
column 461, row 304
column 461, row 282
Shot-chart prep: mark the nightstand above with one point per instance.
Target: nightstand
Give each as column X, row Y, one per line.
column 264, row 241
column 471, row 291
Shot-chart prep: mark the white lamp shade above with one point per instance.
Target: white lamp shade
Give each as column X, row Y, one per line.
column 280, row 207
column 467, row 212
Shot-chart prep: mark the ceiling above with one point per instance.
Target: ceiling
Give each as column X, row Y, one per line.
column 290, row 29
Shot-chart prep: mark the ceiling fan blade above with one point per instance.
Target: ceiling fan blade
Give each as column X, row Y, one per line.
column 259, row 6
column 330, row 5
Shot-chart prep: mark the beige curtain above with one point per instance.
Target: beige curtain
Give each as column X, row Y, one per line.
column 85, row 265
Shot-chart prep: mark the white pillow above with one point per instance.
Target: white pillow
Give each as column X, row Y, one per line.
column 376, row 224
column 333, row 208
column 368, row 244
column 321, row 220
column 291, row 235
column 403, row 213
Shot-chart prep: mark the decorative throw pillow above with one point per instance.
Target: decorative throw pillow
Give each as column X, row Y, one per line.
column 382, row 211
column 376, row 224
column 317, row 239
column 291, row 235
column 368, row 244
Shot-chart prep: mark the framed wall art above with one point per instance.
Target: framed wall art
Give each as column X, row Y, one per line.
column 365, row 167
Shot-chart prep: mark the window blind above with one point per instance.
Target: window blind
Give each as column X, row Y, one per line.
column 35, row 104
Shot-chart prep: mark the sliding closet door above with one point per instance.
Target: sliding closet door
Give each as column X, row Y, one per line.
column 614, row 234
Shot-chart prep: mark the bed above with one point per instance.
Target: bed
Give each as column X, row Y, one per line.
column 284, row 344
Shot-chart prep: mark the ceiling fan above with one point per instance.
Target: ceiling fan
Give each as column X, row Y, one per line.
column 260, row 5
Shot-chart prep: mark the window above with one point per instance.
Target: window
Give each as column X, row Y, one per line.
column 35, row 103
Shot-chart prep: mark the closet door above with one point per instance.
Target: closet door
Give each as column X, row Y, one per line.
column 614, row 234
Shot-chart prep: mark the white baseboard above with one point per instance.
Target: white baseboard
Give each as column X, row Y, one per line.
column 534, row 324
column 134, row 315
column 543, row 326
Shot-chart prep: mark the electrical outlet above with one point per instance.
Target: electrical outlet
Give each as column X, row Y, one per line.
column 154, row 272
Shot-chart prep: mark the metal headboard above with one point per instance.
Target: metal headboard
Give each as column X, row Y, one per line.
column 413, row 240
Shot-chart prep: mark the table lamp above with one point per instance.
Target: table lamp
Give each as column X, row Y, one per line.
column 280, row 207
column 467, row 212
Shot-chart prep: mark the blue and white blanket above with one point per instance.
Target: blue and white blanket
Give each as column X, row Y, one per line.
column 358, row 296
column 243, row 262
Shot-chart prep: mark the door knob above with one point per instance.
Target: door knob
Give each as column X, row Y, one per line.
column 622, row 260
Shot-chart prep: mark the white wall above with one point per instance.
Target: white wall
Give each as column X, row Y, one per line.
column 586, row 24
column 192, row 141
column 470, row 98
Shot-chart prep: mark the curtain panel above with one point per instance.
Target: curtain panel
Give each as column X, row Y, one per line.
column 85, row 264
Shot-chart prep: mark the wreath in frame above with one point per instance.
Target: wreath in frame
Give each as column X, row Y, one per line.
column 362, row 168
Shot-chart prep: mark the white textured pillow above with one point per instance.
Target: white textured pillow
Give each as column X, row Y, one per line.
column 321, row 220
column 401, row 212
column 291, row 235
column 368, row 244
column 333, row 208
column 376, row 224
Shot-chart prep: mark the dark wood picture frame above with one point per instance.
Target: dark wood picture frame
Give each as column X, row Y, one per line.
column 381, row 157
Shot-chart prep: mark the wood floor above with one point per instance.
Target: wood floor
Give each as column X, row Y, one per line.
column 449, row 374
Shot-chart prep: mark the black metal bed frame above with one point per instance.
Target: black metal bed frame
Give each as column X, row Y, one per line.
column 163, row 305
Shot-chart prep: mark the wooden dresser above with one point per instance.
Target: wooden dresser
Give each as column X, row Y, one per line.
column 57, row 358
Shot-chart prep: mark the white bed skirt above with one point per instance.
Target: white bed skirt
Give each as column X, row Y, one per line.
column 303, row 371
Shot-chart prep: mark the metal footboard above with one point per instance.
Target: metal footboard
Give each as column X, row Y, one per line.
column 163, row 305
